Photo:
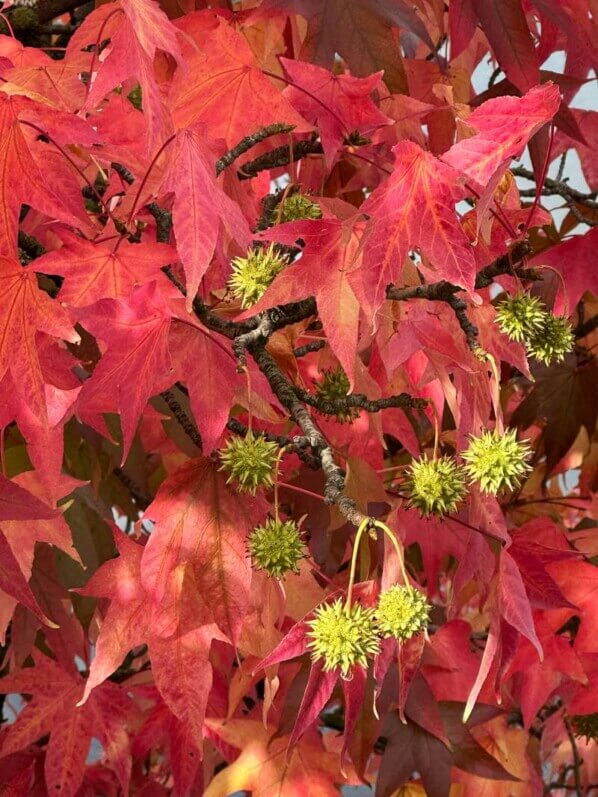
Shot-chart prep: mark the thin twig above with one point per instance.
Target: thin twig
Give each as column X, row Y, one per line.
column 334, row 406
column 250, row 141
column 559, row 187
column 280, row 156
column 182, row 418
column 334, row 475
column 308, row 348
column 577, row 760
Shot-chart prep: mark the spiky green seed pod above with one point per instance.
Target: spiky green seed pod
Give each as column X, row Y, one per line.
column 586, row 725
column 342, row 638
column 402, row 612
column 276, row 547
column 254, row 273
column 520, row 316
column 497, row 460
column 552, row 340
column 335, row 385
column 298, row 207
column 436, row 486
column 250, row 461
column 24, row 18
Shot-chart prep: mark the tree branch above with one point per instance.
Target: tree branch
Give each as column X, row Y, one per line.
column 581, row 330
column 182, row 418
column 577, row 760
column 297, row 444
column 250, row 141
column 559, row 187
column 308, row 348
column 279, row 157
column 334, row 406
column 272, row 320
column 142, row 500
column 444, row 291
column 334, row 475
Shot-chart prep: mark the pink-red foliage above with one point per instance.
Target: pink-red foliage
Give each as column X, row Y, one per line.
column 145, row 147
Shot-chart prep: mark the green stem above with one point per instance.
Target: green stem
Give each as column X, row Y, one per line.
column 397, row 546
column 362, row 527
column 487, row 357
column 276, row 476
column 436, row 430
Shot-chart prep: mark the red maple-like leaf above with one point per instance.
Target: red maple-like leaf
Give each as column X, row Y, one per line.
column 505, row 26
column 136, row 29
column 337, row 104
column 22, row 180
column 320, row 682
column 53, row 709
column 536, row 680
column 56, row 81
column 177, row 634
column 125, row 623
column 322, row 271
column 45, row 443
column 93, row 271
column 502, row 128
column 181, row 666
column 200, row 206
column 265, row 763
column 362, row 33
column 224, row 85
column 199, row 520
column 414, row 207
column 25, row 520
column 136, row 331
column 588, row 124
column 208, row 369
column 577, row 261
column 27, row 311
column 411, row 748
column 163, row 730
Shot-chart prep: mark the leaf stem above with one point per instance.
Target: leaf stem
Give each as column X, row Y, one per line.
column 436, row 430
column 362, row 527
column 147, row 174
column 302, row 490
column 540, row 183
column 276, row 477
column 7, row 23
column 577, row 760
column 326, row 107
column 96, row 46
column 398, row 548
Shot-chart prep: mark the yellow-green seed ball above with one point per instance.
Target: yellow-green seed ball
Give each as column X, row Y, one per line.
column 497, row 461
column 402, row 612
column 253, row 274
column 437, row 486
column 343, row 638
column 520, row 316
column 250, row 461
column 276, row 547
column 334, row 385
column 550, row 342
column 298, row 207
column 586, row 725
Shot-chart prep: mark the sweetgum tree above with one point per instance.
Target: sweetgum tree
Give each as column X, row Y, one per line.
column 298, row 364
